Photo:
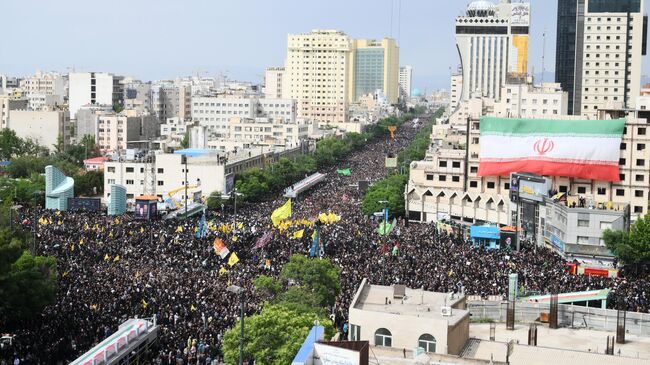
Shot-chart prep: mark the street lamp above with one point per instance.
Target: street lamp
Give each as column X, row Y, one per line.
column 234, row 218
column 239, row 290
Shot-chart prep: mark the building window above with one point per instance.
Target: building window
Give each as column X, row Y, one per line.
column 620, row 192
column 430, row 177
column 638, row 209
column 640, row 147
column 582, row 190
column 160, row 170
column 563, row 189
column 640, row 162
column 582, row 240
column 129, row 182
column 583, row 223
column 490, row 185
column 160, row 183
column 455, row 178
column 473, row 184
column 623, row 146
column 506, row 186
column 442, row 163
column 605, row 225
column 602, row 191
column 383, row 337
column 641, row 131
column 427, row 342
column 129, row 169
column 442, row 177
column 456, row 164
column 473, row 169
column 639, row 178
column 638, row 193
column 355, row 332
column 111, row 168
column 111, row 181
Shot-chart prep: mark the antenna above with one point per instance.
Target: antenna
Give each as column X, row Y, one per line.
column 543, row 54
column 392, row 8
column 399, row 21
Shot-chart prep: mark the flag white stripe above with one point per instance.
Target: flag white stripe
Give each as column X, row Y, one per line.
column 605, row 150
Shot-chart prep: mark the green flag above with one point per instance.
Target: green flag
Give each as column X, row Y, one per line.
column 344, row 172
column 384, row 228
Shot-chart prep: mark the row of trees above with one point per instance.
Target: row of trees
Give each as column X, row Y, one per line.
column 257, row 184
column 633, row 247
column 391, row 188
column 301, row 295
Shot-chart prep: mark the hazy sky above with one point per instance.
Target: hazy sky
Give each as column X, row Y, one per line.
column 155, row 39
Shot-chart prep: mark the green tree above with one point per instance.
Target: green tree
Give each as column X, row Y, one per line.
column 390, row 189
column 631, row 248
column 272, row 337
column 215, row 200
column 117, row 108
column 90, row 183
column 27, row 283
column 185, row 143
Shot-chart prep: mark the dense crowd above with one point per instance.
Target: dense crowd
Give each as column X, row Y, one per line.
column 111, row 269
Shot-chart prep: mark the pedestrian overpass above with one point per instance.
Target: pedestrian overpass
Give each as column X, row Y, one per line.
column 125, row 346
column 303, row 185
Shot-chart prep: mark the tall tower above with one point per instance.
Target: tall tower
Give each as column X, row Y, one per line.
column 570, row 21
column 318, row 68
column 374, row 66
column 492, row 42
column 405, row 80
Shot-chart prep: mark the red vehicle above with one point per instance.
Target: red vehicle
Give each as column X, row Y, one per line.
column 578, row 269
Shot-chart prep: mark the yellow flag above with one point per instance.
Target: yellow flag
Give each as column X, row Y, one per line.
column 117, row 221
column 298, row 234
column 281, row 213
column 58, row 213
column 222, row 271
column 179, row 229
column 117, row 258
column 64, row 274
column 192, row 308
column 233, row 259
column 144, row 303
column 86, row 227
column 106, row 257
column 72, row 247
column 141, row 229
column 110, row 234
column 50, row 221
column 93, row 307
column 137, row 274
column 59, row 222
column 81, row 242
column 234, row 238
column 240, row 225
column 196, row 229
column 313, row 235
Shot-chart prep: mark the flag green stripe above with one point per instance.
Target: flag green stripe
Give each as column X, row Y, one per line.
column 547, row 127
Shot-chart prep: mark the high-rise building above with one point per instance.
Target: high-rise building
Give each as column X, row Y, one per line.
column 375, row 66
column 93, row 88
column 318, row 67
column 405, row 80
column 492, row 41
column 275, row 83
column 600, row 45
column 455, row 91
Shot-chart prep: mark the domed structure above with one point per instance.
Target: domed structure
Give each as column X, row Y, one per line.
column 481, row 8
column 416, row 93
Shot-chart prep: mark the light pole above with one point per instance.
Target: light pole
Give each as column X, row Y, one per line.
column 384, row 202
column 234, row 218
column 239, row 290
column 184, row 160
column 313, row 353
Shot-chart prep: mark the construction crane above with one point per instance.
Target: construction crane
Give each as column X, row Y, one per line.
column 170, row 195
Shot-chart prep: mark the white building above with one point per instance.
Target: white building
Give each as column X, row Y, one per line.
column 318, row 67
column 267, row 131
column 456, row 91
column 405, row 80
column 276, row 85
column 524, row 100
column 215, row 112
column 90, row 88
column 492, row 40
column 612, row 56
column 404, row 318
column 44, row 90
column 44, row 127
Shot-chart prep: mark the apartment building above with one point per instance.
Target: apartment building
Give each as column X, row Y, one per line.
column 93, row 88
column 114, row 131
column 318, row 68
column 9, row 103
column 170, row 100
column 47, row 128
column 267, row 131
column 405, row 82
column 276, row 85
column 44, row 90
column 215, row 112
column 374, row 66
column 525, row 100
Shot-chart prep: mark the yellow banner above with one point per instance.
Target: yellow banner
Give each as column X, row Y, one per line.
column 281, row 213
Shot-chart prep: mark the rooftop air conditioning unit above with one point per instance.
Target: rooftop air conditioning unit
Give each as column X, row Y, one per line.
column 445, row 311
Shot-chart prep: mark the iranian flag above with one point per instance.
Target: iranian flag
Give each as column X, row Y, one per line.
column 587, row 149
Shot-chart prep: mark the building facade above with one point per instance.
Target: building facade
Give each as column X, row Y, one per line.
column 318, row 68
column 405, row 82
column 275, row 83
column 114, row 131
column 374, row 66
column 492, row 42
column 266, row 131
column 570, row 23
column 523, row 100
column 93, row 88
column 47, row 128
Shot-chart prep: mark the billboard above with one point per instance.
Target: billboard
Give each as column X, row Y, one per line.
column 520, row 15
column 87, row 204
column 526, row 187
column 146, row 209
column 229, row 183
column 331, row 355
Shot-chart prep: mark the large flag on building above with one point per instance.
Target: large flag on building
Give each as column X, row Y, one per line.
column 586, row 149
column 281, row 213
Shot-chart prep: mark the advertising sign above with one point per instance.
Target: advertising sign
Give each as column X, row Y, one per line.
column 87, row 204
column 230, row 183
column 520, row 15
column 331, row 355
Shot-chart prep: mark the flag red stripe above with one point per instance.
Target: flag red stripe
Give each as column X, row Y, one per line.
column 599, row 172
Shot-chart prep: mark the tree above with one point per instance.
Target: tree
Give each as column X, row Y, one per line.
column 272, row 337
column 185, row 143
column 631, row 248
column 390, row 189
column 27, row 283
column 90, row 183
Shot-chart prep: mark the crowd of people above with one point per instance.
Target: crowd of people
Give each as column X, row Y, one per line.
column 114, row 268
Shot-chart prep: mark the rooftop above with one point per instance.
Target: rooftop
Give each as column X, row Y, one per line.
column 416, row 302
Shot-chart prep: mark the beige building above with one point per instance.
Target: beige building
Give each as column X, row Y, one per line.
column 612, row 55
column 405, row 81
column 318, row 67
column 115, row 130
column 525, row 100
column 9, row 103
column 404, row 318
column 275, row 83
column 374, row 66
column 44, row 127
column 44, row 90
